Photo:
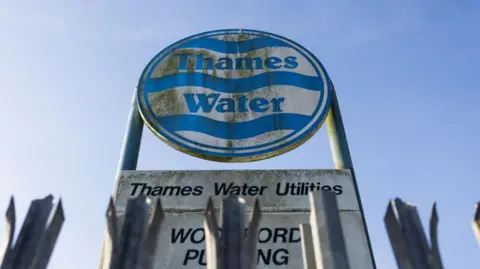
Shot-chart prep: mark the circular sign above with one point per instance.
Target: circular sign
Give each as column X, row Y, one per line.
column 234, row 95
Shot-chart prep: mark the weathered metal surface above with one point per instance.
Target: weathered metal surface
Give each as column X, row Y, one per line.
column 327, row 233
column 277, row 190
column 434, row 255
column 234, row 95
column 235, row 248
column 476, row 223
column 130, row 146
column 407, row 236
column 132, row 242
column 36, row 240
column 308, row 251
column 132, row 139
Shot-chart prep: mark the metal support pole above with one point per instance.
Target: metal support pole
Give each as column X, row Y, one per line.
column 131, row 141
column 130, row 148
column 341, row 154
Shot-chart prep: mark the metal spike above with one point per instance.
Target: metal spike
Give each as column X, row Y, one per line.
column 212, row 244
column 211, row 218
column 249, row 260
column 395, row 234
column 157, row 220
column 308, row 253
column 233, row 250
column 435, row 259
column 112, row 226
column 476, row 223
column 416, row 235
column 233, row 228
column 133, row 232
column 149, row 245
column 49, row 239
column 10, row 216
column 7, row 252
column 408, row 239
column 32, row 231
column 36, row 240
column 111, row 251
column 328, row 238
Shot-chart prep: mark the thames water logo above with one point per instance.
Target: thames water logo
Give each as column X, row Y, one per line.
column 234, row 95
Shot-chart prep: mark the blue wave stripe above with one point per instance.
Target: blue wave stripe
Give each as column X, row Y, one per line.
column 233, row 47
column 238, row 130
column 233, row 85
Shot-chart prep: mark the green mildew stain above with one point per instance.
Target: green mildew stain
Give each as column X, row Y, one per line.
column 214, row 73
column 243, row 73
column 165, row 103
column 191, row 64
column 266, row 54
column 172, row 64
column 242, row 37
column 229, row 144
column 167, row 67
column 235, row 37
column 172, row 102
column 269, row 93
column 228, row 74
column 188, row 90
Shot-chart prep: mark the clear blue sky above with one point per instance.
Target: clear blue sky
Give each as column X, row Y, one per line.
column 405, row 72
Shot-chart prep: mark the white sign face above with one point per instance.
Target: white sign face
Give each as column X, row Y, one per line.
column 284, row 202
column 182, row 241
column 277, row 190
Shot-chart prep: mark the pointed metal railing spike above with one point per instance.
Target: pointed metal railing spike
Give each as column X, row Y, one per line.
column 328, row 239
column 133, row 231
column 395, row 234
column 10, row 216
column 31, row 232
column 49, row 238
column 111, row 250
column 416, row 234
column 476, row 223
column 8, row 251
column 155, row 223
column 435, row 259
column 212, row 242
column 233, row 232
column 149, row 244
column 211, row 218
column 111, row 216
column 308, row 253
column 233, row 249
column 250, row 247
column 37, row 238
column 132, row 238
column 409, row 242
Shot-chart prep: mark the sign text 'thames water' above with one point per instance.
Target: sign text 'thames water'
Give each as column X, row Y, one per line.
column 234, row 95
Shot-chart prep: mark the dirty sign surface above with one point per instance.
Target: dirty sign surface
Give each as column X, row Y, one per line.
column 234, row 95
column 277, row 190
column 182, row 241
